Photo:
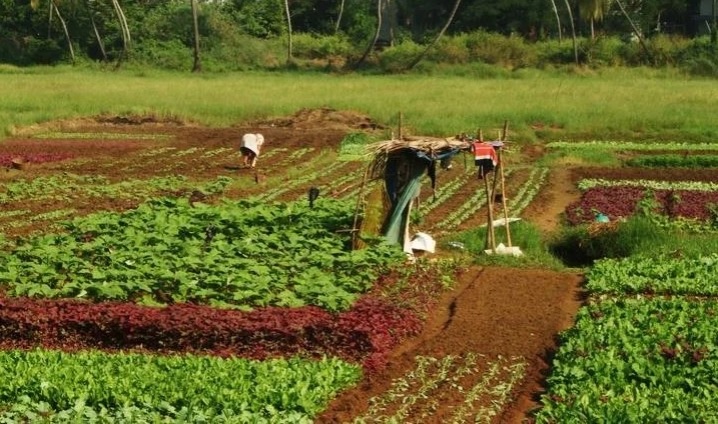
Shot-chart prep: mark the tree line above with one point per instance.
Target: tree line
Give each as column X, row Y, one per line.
column 113, row 31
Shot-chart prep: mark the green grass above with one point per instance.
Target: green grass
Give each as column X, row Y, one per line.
column 615, row 104
column 523, row 234
column 582, row 156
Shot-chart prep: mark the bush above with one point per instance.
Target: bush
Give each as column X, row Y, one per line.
column 586, row 243
column 309, row 46
column 497, row 49
column 397, row 58
column 164, row 54
column 43, row 52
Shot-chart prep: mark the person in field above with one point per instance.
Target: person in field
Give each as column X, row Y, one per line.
column 250, row 148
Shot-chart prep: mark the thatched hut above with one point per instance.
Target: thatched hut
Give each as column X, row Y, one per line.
column 402, row 163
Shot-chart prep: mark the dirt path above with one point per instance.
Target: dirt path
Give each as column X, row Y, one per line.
column 492, row 312
column 548, row 205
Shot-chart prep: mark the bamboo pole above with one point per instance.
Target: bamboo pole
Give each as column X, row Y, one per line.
column 490, row 236
column 504, row 135
column 503, row 199
column 401, row 121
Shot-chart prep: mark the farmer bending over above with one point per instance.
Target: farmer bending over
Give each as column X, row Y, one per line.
column 251, row 144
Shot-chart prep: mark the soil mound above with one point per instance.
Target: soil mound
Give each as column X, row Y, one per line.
column 323, row 118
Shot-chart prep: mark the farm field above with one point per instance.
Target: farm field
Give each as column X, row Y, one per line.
column 478, row 349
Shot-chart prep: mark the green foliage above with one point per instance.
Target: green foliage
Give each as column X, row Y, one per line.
column 636, row 359
column 54, row 387
column 397, row 58
column 583, row 244
column 353, row 146
column 674, row 161
column 512, row 52
column 311, row 46
column 237, row 254
column 660, row 273
column 171, row 54
column 607, row 51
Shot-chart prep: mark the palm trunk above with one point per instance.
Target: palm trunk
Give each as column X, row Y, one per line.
column 197, row 67
column 436, row 40
column 289, row 31
column 573, row 32
column 379, row 7
column 97, row 32
column 339, row 17
column 635, row 29
column 558, row 21
column 64, row 29
column 124, row 28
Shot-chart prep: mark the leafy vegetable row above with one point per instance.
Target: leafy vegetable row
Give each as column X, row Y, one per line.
column 52, row 386
column 637, row 360
column 666, row 274
column 240, row 254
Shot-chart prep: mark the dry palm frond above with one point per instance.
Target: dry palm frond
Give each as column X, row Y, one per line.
column 427, row 144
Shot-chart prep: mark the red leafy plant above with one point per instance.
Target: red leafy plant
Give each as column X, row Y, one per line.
column 365, row 333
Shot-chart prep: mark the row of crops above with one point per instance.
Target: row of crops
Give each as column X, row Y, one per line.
column 643, row 347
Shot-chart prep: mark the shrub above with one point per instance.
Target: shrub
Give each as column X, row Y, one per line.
column 397, row 58
column 498, row 49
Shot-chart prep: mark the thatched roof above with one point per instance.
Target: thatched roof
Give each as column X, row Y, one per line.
column 426, row 144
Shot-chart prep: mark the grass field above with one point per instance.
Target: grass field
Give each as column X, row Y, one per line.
column 618, row 104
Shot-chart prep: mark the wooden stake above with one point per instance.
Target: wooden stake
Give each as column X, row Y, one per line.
column 490, row 236
column 358, row 205
column 503, row 198
column 401, row 121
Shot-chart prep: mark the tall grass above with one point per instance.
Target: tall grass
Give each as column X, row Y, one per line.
column 618, row 103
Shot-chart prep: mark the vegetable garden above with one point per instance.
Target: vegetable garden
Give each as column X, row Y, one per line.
column 146, row 277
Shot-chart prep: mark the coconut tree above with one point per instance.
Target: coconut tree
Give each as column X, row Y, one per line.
column 573, row 32
column 197, row 67
column 379, row 12
column 339, row 16
column 593, row 11
column 289, row 31
column 124, row 28
column 634, row 26
column 34, row 4
column 558, row 20
column 91, row 12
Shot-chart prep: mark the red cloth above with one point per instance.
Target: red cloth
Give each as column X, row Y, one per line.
column 483, row 151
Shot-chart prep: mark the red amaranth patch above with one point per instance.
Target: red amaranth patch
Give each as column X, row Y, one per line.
column 366, row 333
column 621, row 202
column 6, row 159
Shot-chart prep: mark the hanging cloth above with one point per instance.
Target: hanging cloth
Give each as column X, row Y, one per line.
column 485, row 157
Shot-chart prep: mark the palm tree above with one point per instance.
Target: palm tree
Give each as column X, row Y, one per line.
column 197, row 67
column 339, row 17
column 441, row 33
column 91, row 12
column 126, row 39
column 635, row 28
column 34, row 4
column 593, row 11
column 558, row 20
column 573, row 31
column 289, row 31
column 379, row 13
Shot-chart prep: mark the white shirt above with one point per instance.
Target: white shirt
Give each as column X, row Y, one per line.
column 253, row 142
